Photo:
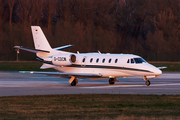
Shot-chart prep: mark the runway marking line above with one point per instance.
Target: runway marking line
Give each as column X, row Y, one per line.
column 173, row 84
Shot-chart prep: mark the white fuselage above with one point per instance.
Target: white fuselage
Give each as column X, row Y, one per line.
column 110, row 65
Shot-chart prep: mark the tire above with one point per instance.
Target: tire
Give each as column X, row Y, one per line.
column 111, row 81
column 148, row 82
column 74, row 82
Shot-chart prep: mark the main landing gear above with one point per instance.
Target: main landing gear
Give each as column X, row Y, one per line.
column 147, row 80
column 112, row 80
column 73, row 81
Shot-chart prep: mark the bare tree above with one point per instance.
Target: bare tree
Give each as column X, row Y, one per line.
column 51, row 11
column 25, row 10
column 11, row 5
column 37, row 11
column 1, row 13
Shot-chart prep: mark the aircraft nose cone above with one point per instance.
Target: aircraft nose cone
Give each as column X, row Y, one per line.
column 158, row 72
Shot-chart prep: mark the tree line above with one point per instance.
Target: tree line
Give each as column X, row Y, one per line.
column 149, row 28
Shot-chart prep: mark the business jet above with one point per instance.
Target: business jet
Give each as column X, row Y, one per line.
column 88, row 65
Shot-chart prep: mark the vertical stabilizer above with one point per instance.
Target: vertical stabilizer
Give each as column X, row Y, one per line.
column 40, row 41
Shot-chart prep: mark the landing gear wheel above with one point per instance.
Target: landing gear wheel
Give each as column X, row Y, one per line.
column 111, row 81
column 74, row 82
column 148, row 82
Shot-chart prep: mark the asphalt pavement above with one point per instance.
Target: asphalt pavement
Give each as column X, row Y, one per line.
column 18, row 84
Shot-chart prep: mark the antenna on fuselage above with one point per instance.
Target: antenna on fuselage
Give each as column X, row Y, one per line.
column 99, row 52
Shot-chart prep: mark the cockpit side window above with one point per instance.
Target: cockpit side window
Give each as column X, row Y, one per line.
column 139, row 60
column 132, row 61
column 128, row 61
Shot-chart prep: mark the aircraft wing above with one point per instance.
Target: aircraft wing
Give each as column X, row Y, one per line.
column 66, row 75
column 30, row 49
column 161, row 67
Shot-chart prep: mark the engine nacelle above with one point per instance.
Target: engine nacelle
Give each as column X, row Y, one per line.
column 64, row 59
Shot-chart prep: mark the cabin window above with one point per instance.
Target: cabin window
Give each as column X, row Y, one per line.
column 97, row 60
column 83, row 60
column 132, row 60
column 128, row 61
column 91, row 60
column 109, row 60
column 116, row 60
column 103, row 60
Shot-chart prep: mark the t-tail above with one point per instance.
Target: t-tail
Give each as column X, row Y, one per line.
column 42, row 49
column 42, row 46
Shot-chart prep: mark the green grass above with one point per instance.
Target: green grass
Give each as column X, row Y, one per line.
column 91, row 106
column 35, row 66
column 22, row 66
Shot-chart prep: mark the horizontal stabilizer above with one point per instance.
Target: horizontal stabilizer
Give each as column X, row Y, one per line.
column 45, row 66
column 62, row 47
column 30, row 49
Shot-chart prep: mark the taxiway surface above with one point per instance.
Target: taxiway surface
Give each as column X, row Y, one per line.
column 16, row 84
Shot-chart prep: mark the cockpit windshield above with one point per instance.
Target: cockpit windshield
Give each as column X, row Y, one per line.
column 139, row 60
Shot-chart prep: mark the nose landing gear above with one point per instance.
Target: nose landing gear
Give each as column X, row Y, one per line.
column 147, row 80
